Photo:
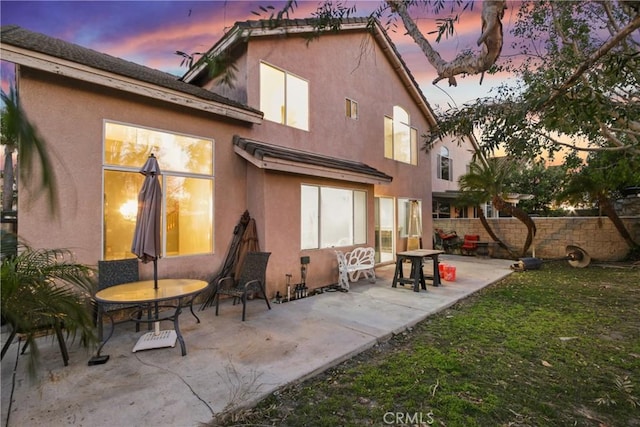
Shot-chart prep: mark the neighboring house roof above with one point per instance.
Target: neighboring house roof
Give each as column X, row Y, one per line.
column 270, row 157
column 241, row 32
column 45, row 53
column 448, row 194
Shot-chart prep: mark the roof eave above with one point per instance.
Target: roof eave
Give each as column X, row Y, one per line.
column 240, row 32
column 406, row 78
column 230, row 39
column 269, row 163
column 52, row 64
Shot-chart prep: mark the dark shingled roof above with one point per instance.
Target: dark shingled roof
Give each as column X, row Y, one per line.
column 262, row 151
column 37, row 42
column 298, row 22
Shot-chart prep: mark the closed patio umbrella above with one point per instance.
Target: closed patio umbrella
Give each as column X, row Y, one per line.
column 146, row 237
column 230, row 261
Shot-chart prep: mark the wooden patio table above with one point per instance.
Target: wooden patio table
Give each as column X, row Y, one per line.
column 416, row 277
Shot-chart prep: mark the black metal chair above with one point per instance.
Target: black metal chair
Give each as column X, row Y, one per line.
column 57, row 328
column 111, row 273
column 251, row 280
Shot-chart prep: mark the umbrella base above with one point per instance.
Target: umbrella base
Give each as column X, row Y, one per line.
column 98, row 360
column 152, row 340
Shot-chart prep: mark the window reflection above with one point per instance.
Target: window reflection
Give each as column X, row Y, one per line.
column 189, row 225
column 400, row 139
column 130, row 146
column 332, row 217
column 444, row 165
column 187, row 182
column 284, row 98
column 120, row 196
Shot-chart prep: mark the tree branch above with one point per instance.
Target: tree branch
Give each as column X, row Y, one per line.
column 603, row 50
column 491, row 40
column 575, row 147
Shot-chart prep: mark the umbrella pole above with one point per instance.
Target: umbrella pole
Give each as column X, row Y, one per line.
column 155, row 286
column 155, row 273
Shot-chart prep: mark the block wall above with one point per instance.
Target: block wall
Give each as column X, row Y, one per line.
column 596, row 235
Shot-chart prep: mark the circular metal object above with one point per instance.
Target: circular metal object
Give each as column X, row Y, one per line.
column 577, row 257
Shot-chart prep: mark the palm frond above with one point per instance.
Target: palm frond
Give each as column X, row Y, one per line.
column 42, row 288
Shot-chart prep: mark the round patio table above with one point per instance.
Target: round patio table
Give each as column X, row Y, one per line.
column 144, row 293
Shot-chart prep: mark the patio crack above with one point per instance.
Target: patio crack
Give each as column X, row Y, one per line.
column 181, row 379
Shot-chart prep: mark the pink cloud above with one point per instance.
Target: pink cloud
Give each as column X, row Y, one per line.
column 7, row 70
column 156, row 48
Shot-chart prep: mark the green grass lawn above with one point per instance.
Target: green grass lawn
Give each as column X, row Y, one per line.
column 557, row 346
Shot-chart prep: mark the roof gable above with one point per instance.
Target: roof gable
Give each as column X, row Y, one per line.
column 243, row 32
column 50, row 54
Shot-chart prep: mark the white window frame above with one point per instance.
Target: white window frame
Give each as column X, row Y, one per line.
column 400, row 138
column 444, row 156
column 313, row 221
column 286, row 114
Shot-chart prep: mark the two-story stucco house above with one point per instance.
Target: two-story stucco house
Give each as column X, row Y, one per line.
column 319, row 141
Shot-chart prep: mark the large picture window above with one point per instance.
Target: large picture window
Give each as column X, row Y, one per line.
column 284, row 98
column 400, row 139
column 332, row 217
column 187, row 182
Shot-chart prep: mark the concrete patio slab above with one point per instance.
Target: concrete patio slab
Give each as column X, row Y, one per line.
column 228, row 362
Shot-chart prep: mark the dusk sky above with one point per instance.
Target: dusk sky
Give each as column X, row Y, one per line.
column 149, row 32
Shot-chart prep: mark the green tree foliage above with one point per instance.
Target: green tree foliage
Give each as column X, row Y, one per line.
column 488, row 180
column 543, row 182
column 20, row 134
column 579, row 83
column 600, row 181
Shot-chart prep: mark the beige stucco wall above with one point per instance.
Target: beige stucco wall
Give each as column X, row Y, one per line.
column 460, row 154
column 69, row 115
column 597, row 236
column 282, row 233
column 364, row 76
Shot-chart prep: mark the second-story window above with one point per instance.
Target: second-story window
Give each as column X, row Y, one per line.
column 284, row 98
column 445, row 165
column 400, row 139
column 351, row 108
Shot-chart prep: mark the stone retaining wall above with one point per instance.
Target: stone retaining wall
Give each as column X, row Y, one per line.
column 596, row 235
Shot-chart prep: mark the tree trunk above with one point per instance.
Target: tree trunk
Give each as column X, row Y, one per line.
column 609, row 210
column 491, row 40
column 522, row 216
column 494, row 237
column 7, row 181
